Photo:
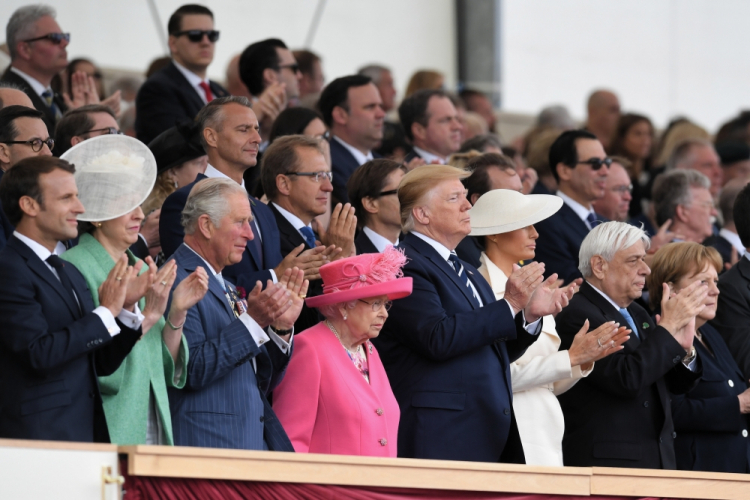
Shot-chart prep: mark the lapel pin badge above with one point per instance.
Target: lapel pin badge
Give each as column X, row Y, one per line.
column 645, row 325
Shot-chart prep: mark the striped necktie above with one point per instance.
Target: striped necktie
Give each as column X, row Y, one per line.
column 463, row 277
column 49, row 99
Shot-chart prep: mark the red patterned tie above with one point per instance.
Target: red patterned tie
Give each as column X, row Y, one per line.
column 207, row 91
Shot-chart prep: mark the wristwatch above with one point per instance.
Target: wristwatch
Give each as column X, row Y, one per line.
column 281, row 333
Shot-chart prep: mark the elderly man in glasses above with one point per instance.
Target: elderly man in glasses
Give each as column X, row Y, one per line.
column 23, row 134
column 298, row 182
column 615, row 203
column 179, row 91
column 580, row 167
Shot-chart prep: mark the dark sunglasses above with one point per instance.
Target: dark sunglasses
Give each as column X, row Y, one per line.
column 597, row 163
column 55, row 38
column 388, row 193
column 294, row 67
column 197, row 35
column 36, row 144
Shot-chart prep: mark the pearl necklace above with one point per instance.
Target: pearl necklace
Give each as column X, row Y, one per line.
column 336, row 333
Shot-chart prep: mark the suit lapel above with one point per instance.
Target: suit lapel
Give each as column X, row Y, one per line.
column 287, row 231
column 188, row 91
column 574, row 221
column 609, row 312
column 190, row 261
column 250, row 245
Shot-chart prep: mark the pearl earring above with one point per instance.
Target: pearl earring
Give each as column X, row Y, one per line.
column 345, row 316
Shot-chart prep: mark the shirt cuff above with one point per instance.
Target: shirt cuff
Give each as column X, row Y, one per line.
column 133, row 319
column 256, row 332
column 273, row 276
column 109, row 321
column 281, row 343
column 532, row 328
column 693, row 365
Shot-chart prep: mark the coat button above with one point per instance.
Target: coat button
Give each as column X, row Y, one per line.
column 674, row 435
column 383, row 441
column 676, row 360
column 645, row 404
column 506, row 411
column 660, row 441
column 379, row 411
column 744, row 433
column 91, row 395
column 262, row 418
column 731, row 384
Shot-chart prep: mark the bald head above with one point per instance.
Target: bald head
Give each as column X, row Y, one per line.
column 603, row 114
column 233, row 82
column 14, row 97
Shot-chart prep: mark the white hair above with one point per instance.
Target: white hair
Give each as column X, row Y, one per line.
column 22, row 23
column 331, row 311
column 374, row 72
column 209, row 197
column 606, row 240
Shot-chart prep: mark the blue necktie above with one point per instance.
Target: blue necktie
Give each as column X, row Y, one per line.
column 257, row 243
column 49, row 99
column 459, row 268
column 629, row 319
column 592, row 220
column 309, row 236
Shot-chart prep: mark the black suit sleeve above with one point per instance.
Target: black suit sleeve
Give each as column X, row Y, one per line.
column 733, row 317
column 158, row 108
column 555, row 251
column 109, row 358
column 171, row 232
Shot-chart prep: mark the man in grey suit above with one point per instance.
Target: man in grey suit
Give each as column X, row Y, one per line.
column 238, row 349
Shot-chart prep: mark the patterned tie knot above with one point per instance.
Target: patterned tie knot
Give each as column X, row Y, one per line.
column 309, row 235
column 592, row 220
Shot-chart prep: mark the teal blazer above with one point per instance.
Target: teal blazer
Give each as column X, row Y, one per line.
column 147, row 370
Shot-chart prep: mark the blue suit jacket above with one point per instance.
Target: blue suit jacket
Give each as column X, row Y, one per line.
column 449, row 364
column 223, row 404
column 560, row 238
column 246, row 272
column 707, row 419
column 343, row 166
column 51, row 353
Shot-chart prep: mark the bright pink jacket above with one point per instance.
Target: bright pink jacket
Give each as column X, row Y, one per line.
column 326, row 406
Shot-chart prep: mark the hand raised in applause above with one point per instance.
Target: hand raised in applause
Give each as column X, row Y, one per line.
column 680, row 309
column 588, row 347
column 294, row 281
column 264, row 306
column 522, row 283
column 114, row 289
column 309, row 261
column 341, row 229
column 550, row 298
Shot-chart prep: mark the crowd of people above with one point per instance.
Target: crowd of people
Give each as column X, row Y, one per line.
column 292, row 265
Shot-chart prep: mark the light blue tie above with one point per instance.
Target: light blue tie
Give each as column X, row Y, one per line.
column 309, row 236
column 629, row 319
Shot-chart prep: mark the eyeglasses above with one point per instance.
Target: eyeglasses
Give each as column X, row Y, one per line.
column 623, row 189
column 388, row 193
column 197, row 35
column 597, row 163
column 378, row 304
column 294, row 67
column 106, row 131
column 54, row 38
column 36, row 144
column 316, row 176
column 706, row 204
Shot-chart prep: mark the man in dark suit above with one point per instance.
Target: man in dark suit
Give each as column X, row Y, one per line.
column 372, row 189
column 353, row 111
column 488, row 171
column 177, row 92
column 54, row 342
column 447, row 348
column 733, row 310
column 430, row 121
column 21, row 132
column 297, row 180
column 580, row 167
column 230, row 137
column 727, row 241
column 620, row 415
column 238, row 351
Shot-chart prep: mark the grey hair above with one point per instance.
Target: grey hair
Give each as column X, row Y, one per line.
column 21, row 24
column 672, row 189
column 556, row 116
column 332, row 310
column 373, row 71
column 212, row 115
column 606, row 240
column 683, row 153
column 209, row 197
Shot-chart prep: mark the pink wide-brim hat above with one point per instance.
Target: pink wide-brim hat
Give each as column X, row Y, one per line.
column 366, row 275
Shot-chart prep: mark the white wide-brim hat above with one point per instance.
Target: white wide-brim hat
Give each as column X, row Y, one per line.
column 114, row 175
column 502, row 211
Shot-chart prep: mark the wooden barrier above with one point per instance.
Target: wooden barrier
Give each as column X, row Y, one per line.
column 220, row 464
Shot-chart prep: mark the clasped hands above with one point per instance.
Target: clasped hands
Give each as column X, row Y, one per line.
column 528, row 291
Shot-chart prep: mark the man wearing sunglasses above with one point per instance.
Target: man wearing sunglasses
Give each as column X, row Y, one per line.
column 23, row 134
column 178, row 92
column 38, row 52
column 580, row 167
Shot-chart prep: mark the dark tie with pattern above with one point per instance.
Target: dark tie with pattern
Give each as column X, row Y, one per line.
column 50, row 100
column 592, row 220
column 309, row 235
column 257, row 243
column 59, row 265
column 459, row 268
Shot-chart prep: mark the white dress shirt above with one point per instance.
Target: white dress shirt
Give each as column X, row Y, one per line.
column 429, row 157
column 194, row 80
column 35, row 84
column 380, row 242
column 579, row 209
column 259, row 335
column 131, row 319
column 445, row 253
column 734, row 239
column 356, row 153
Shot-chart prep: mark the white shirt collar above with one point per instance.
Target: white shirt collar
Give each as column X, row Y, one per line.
column 192, row 79
column 429, row 157
column 40, row 250
column 579, row 209
column 212, row 173
column 380, row 242
column 218, row 276
column 293, row 219
column 734, row 239
column 35, row 84
column 356, row 153
column 439, row 247
column 606, row 297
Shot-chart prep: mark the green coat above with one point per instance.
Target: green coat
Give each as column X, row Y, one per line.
column 149, row 366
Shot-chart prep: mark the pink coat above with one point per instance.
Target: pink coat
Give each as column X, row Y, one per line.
column 326, row 406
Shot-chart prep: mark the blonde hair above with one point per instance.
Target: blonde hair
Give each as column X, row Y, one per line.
column 424, row 79
column 419, row 182
column 674, row 261
column 163, row 187
column 675, row 136
column 460, row 160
